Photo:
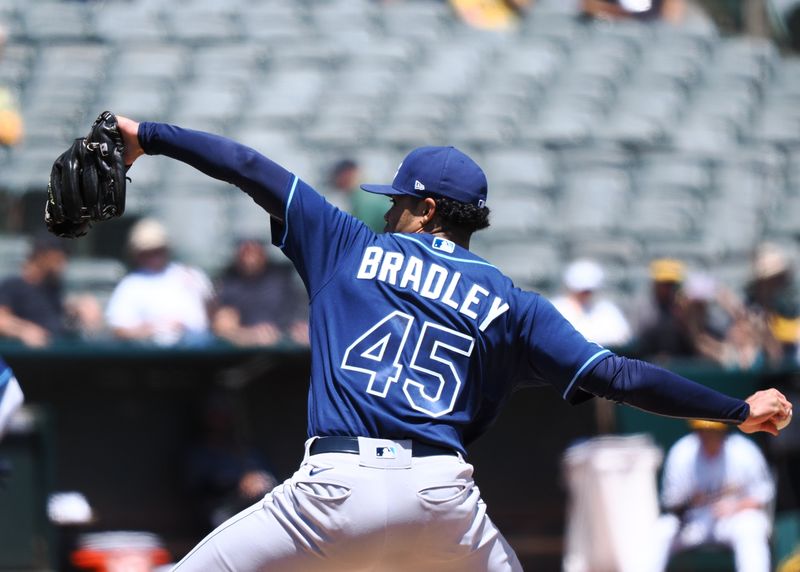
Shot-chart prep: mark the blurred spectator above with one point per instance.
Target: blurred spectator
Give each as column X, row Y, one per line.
column 684, row 13
column 33, row 308
column 343, row 191
column 597, row 318
column 259, row 303
column 159, row 301
column 490, row 14
column 717, row 489
column 773, row 296
column 10, row 119
column 660, row 330
column 721, row 327
column 224, row 474
column 785, row 21
column 672, row 11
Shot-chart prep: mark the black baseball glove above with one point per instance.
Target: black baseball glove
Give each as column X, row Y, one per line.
column 87, row 182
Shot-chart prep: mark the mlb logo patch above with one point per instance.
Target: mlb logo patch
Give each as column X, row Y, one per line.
column 386, row 452
column 444, row 245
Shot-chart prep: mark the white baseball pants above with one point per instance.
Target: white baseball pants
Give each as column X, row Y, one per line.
column 338, row 514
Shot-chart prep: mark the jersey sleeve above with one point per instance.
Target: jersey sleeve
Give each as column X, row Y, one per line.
column 657, row 390
column 221, row 158
column 316, row 236
column 555, row 352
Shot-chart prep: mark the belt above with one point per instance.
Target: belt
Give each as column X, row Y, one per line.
column 350, row 445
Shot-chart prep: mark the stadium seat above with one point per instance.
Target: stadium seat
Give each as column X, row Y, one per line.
column 662, row 131
column 134, row 99
column 484, row 131
column 636, row 131
column 332, row 131
column 673, row 170
column 524, row 170
column 199, row 27
column 415, row 19
column 168, row 62
column 533, row 264
column 204, row 100
column 534, row 60
column 99, row 275
column 521, row 217
column 13, row 251
column 50, row 21
column 422, row 107
column 17, row 65
column 197, row 202
column 143, row 24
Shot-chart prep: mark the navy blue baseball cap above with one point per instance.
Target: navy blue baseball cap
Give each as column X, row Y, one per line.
column 439, row 172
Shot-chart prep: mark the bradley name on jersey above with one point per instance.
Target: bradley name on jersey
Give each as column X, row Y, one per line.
column 431, row 281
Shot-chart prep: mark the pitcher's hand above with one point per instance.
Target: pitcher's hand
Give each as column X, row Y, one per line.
column 129, row 129
column 767, row 408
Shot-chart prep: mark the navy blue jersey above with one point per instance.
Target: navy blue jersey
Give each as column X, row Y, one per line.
column 413, row 336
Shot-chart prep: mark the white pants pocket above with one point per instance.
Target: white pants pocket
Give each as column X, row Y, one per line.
column 441, row 494
column 330, row 492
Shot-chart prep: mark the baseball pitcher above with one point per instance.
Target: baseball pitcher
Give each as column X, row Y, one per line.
column 416, row 345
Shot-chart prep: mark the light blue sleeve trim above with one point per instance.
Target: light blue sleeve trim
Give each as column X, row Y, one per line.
column 583, row 367
column 4, row 377
column 286, row 213
column 440, row 255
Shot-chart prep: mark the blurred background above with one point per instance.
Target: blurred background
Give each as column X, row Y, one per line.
column 643, row 161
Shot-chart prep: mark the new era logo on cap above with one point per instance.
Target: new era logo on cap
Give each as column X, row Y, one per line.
column 447, row 172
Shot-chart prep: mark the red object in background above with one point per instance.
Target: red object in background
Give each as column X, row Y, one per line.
column 120, row 552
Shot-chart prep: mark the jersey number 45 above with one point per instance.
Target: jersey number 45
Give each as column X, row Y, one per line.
column 438, row 363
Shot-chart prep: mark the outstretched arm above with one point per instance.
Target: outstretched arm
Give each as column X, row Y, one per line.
column 218, row 157
column 654, row 389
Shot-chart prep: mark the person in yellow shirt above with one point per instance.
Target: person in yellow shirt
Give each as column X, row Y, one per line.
column 10, row 119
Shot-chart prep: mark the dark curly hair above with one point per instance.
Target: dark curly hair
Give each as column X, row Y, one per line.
column 461, row 217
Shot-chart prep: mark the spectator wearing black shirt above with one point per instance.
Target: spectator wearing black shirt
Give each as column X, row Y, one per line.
column 31, row 308
column 661, row 330
column 259, row 303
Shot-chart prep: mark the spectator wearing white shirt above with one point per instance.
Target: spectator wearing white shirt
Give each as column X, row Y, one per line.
column 717, row 489
column 160, row 301
column 597, row 318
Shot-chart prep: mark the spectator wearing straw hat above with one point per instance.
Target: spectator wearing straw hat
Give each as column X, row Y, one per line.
column 160, row 301
column 772, row 294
